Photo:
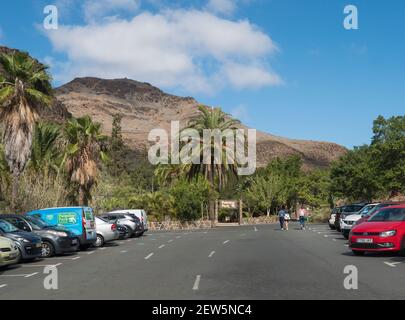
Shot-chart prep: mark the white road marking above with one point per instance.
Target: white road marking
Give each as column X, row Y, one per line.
column 197, row 282
column 140, row 244
column 121, row 242
column 392, row 264
column 255, row 229
column 334, row 239
column 162, row 246
column 211, row 254
column 3, row 286
column 66, row 258
column 225, row 242
column 40, row 265
column 326, row 236
column 346, row 245
column 149, row 255
column 31, row 275
column 205, row 232
column 124, row 251
column 170, row 240
column 102, row 248
column 243, row 234
column 89, row 253
column 178, row 237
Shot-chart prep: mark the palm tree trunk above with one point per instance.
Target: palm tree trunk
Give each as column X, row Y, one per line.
column 14, row 189
column 82, row 196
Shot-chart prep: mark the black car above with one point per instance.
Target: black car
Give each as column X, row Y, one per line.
column 124, row 231
column 131, row 221
column 28, row 243
column 54, row 240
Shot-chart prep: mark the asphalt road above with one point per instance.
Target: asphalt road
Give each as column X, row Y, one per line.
column 250, row 262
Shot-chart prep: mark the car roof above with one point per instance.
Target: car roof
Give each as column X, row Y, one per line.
column 400, row 206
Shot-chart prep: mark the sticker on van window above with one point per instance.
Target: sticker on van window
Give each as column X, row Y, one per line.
column 89, row 215
column 67, row 218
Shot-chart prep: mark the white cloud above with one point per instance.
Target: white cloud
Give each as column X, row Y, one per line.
column 96, row 9
column 222, row 6
column 191, row 49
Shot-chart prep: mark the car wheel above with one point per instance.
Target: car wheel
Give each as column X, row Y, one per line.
column 332, row 227
column 99, row 241
column 359, row 253
column 47, row 249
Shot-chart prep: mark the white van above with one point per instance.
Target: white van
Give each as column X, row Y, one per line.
column 141, row 214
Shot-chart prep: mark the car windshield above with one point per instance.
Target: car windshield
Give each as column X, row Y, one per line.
column 367, row 209
column 352, row 208
column 7, row 227
column 37, row 224
column 397, row 214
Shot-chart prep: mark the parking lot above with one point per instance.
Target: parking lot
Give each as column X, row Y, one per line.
column 249, row 262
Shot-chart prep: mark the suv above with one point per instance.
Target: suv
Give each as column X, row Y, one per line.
column 347, row 223
column 130, row 221
column 54, row 240
column 345, row 211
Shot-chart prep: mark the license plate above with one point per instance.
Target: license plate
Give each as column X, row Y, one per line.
column 74, row 241
column 365, row 240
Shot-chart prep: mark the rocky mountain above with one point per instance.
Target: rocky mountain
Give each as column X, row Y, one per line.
column 145, row 107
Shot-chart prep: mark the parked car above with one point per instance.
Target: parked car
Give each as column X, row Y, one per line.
column 124, row 231
column 347, row 223
column 29, row 244
column 366, row 216
column 9, row 253
column 106, row 232
column 384, row 231
column 345, row 211
column 130, row 221
column 141, row 214
column 54, row 240
column 79, row 220
column 332, row 218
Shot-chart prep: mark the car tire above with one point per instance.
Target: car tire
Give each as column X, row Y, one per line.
column 47, row 250
column 359, row 253
column 332, row 227
column 99, row 241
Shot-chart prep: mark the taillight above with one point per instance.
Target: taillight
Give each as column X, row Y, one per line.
column 113, row 227
column 84, row 226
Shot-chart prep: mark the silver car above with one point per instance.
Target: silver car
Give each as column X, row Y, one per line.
column 106, row 232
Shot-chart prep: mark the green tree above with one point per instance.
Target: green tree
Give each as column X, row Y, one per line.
column 46, row 152
column 388, row 151
column 84, row 153
column 24, row 88
column 355, row 175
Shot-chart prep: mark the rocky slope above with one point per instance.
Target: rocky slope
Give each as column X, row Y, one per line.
column 145, row 107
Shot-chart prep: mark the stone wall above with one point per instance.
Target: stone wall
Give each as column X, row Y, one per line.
column 205, row 224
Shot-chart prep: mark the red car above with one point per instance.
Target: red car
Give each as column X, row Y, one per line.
column 384, row 231
column 378, row 208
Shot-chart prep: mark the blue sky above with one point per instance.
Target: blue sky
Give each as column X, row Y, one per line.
column 287, row 67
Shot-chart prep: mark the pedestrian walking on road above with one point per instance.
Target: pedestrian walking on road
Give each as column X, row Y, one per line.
column 301, row 217
column 281, row 215
column 287, row 219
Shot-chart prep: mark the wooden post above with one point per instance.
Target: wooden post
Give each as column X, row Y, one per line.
column 240, row 211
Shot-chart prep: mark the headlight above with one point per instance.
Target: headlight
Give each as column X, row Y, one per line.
column 58, row 233
column 23, row 240
column 390, row 233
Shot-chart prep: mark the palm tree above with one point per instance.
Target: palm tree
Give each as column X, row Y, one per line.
column 215, row 173
column 46, row 155
column 24, row 88
column 83, row 154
